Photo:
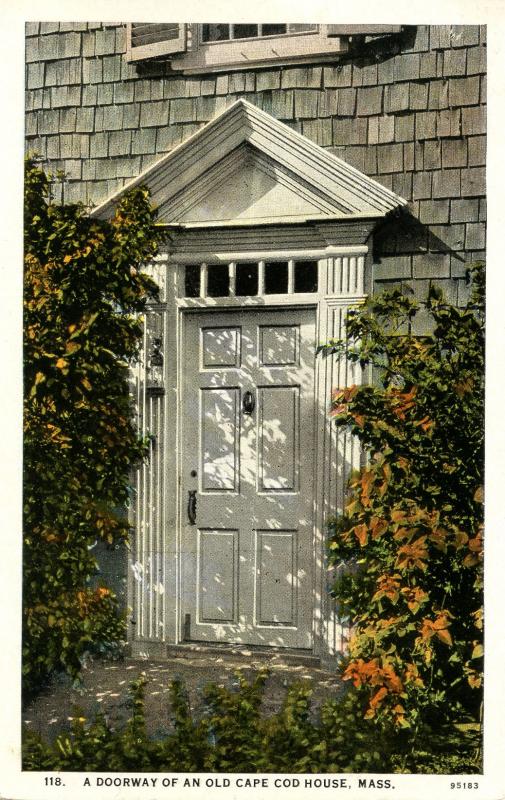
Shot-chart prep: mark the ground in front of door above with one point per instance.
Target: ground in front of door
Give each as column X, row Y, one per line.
column 105, row 688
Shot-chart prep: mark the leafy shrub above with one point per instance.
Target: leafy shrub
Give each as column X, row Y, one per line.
column 413, row 523
column 233, row 736
column 83, row 293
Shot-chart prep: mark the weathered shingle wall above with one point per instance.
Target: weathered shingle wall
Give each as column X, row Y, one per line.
column 408, row 110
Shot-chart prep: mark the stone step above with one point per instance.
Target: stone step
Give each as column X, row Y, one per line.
column 268, row 655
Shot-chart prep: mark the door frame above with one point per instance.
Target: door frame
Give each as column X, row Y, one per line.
column 345, row 273
column 336, row 292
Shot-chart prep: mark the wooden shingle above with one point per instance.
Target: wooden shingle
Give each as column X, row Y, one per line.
column 475, row 236
column 449, row 122
column 131, row 115
column 431, row 265
column 35, row 78
column 369, row 101
column 68, row 119
column 454, row 153
column 464, row 91
column 157, row 113
column 306, row 101
column 473, row 181
column 433, row 211
column 428, row 65
column 346, row 103
column 404, row 127
column 447, row 183
column 454, row 62
column 476, row 60
column 113, row 118
column 318, row 131
column 270, row 79
column 105, row 94
column 473, row 120
column 438, row 94
column 421, row 189
column 418, row 96
column 143, row 141
column 464, row 210
column 446, row 237
column 283, row 104
column 406, row 67
column 476, row 151
column 426, row 125
column 396, row 98
column 327, row 103
column 338, row 76
column 302, row 77
column 120, row 143
column 85, row 120
column 390, row 158
column 99, row 145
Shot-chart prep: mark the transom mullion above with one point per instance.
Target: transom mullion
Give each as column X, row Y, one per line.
column 203, row 280
column 291, row 276
column 261, row 278
column 232, row 274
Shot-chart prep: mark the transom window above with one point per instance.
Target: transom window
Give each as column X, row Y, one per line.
column 251, row 278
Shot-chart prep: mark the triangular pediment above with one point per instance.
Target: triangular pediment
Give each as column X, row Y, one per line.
column 247, row 186
column 246, row 166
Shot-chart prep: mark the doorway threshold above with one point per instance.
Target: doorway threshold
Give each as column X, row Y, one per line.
column 269, row 655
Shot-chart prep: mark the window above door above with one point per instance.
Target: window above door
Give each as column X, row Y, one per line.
column 251, row 278
column 207, row 47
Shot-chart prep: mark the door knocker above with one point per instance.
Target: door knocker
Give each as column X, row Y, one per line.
column 248, row 403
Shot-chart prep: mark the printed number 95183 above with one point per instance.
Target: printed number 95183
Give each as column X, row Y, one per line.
column 460, row 785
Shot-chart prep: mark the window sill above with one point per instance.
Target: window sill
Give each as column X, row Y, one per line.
column 257, row 53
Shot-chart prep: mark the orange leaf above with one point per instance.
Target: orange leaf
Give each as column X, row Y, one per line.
column 378, row 697
column 361, row 533
column 479, row 495
column 445, row 636
column 378, row 527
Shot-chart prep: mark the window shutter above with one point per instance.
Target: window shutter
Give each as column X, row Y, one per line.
column 155, row 39
column 362, row 30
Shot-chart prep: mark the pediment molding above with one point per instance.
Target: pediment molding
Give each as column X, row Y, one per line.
column 288, row 175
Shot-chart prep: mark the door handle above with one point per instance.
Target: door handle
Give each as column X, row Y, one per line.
column 192, row 506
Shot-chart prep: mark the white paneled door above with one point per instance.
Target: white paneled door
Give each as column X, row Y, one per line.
column 247, row 477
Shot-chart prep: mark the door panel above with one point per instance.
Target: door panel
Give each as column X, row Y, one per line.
column 220, row 347
column 247, row 563
column 275, row 578
column 219, row 439
column 217, row 576
column 278, row 438
column 278, row 345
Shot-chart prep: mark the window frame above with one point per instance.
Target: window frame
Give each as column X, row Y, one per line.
column 188, row 53
column 287, row 48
